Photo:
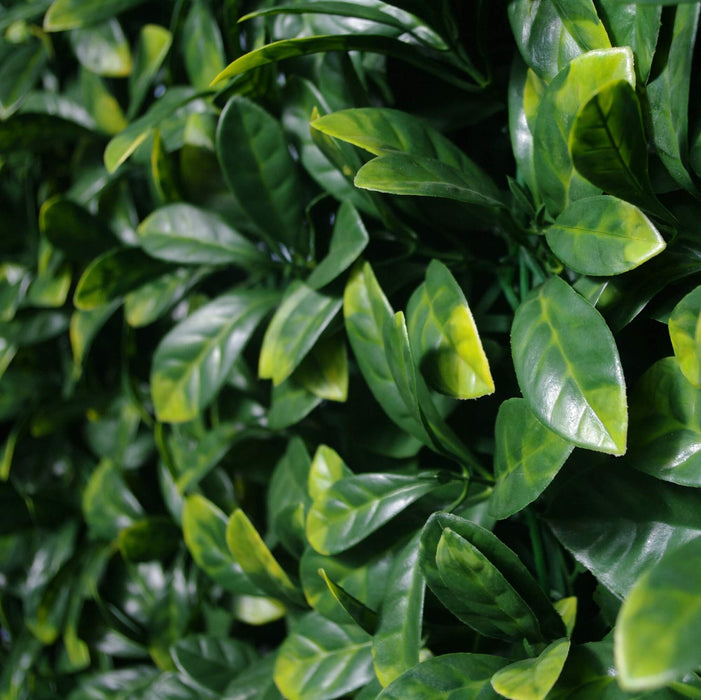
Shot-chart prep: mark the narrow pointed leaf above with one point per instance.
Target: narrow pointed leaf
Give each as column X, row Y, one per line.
column 203, row 45
column 603, row 236
column 193, row 361
column 185, row 234
column 321, row 660
column 354, row 507
column 685, row 333
column 527, row 458
column 532, row 679
column 327, row 468
column 363, row 616
column 657, row 630
column 445, row 339
column 665, row 430
column 153, row 44
column 568, row 368
column 257, row 561
column 297, row 324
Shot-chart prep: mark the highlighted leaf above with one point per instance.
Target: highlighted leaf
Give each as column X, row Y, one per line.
column 685, row 333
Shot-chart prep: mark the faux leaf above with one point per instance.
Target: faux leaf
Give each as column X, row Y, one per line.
column 603, row 236
column 354, row 507
column 326, row 469
column 656, row 633
column 568, row 368
column 194, row 359
column 70, row 14
column 153, row 45
column 527, row 457
column 321, row 660
column 324, row 371
column 583, row 23
column 685, row 333
column 445, row 339
column 19, row 71
column 290, row 403
column 366, row 618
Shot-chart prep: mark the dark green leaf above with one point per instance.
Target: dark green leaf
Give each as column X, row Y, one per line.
column 291, row 402
column 19, row 72
column 255, row 683
column 148, row 539
column 358, row 611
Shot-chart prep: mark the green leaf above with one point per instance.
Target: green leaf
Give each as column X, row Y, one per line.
column 397, row 641
column 530, row 613
column 359, row 612
column 194, row 359
column 185, row 234
column 291, row 402
column 113, row 274
column 149, row 538
column 405, row 174
column 572, row 88
column 665, row 431
column 527, row 457
column 326, row 469
column 151, row 49
column 19, row 71
column 348, row 240
column 71, row 14
column 445, row 339
column 103, row 49
column 608, row 144
column 532, row 679
column 583, row 23
column 203, row 45
column 668, row 95
column 603, row 236
column 101, row 103
column 211, row 662
column 685, row 333
column 617, row 522
column 257, row 561
column 259, row 169
column 324, row 371
column 567, row 610
column 657, row 630
column 354, row 507
column 464, row 676
column 321, row 660
column 163, row 173
column 568, row 368
column 204, row 532
column 297, row 324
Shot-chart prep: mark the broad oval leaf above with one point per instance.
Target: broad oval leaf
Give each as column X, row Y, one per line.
column 70, row 14
column 103, row 49
column 186, row 234
column 581, row 19
column 664, row 421
column 527, row 457
column 193, row 361
column 603, row 236
column 321, row 660
column 532, row 679
column 573, row 86
column 447, row 677
column 445, row 339
column 326, row 469
column 568, row 368
column 355, row 506
column 657, row 630
column 685, row 334
column 259, row 169
column 297, row 324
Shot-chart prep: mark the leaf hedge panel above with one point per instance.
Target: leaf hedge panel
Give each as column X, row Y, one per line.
column 255, row 259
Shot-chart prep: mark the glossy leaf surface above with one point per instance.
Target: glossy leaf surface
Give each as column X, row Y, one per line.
column 527, row 458
column 603, row 236
column 194, row 359
column 685, row 333
column 568, row 368
column 326, row 469
column 356, row 609
column 582, row 21
column 324, row 371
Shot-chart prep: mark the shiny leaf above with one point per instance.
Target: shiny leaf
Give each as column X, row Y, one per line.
column 358, row 611
column 103, row 48
column 326, row 469
column 324, row 371
column 290, row 403
column 581, row 19
column 685, row 333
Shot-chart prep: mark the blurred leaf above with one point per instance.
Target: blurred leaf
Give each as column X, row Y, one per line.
column 103, row 48
column 19, row 72
column 151, row 49
column 149, row 539
column 203, row 45
column 71, row 14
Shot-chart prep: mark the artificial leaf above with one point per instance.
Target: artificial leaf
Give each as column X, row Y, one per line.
column 568, row 368
column 603, row 236
column 71, row 14
column 326, row 469
column 685, row 333
column 324, row 371
column 358, row 611
column 19, row 72
column 583, row 23
column 291, row 402
column 527, row 457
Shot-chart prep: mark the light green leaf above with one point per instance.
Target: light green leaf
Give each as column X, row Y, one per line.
column 259, row 169
column 101, row 103
column 321, row 660
column 608, row 146
column 204, row 532
column 324, row 371
column 583, row 23
column 397, row 641
column 194, row 359
column 665, row 431
column 20, row 69
column 189, row 235
column 568, row 368
column 327, row 468
column 103, row 49
column 163, row 172
column 359, row 612
column 355, row 506
column 603, row 236
column 257, row 561
column 572, row 88
column 71, row 14
column 153, row 44
column 527, row 457
column 532, row 679
column 203, row 45
column 567, row 610
column 297, row 324
column 445, row 339
column 447, row 677
column 657, row 630
column 685, row 333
